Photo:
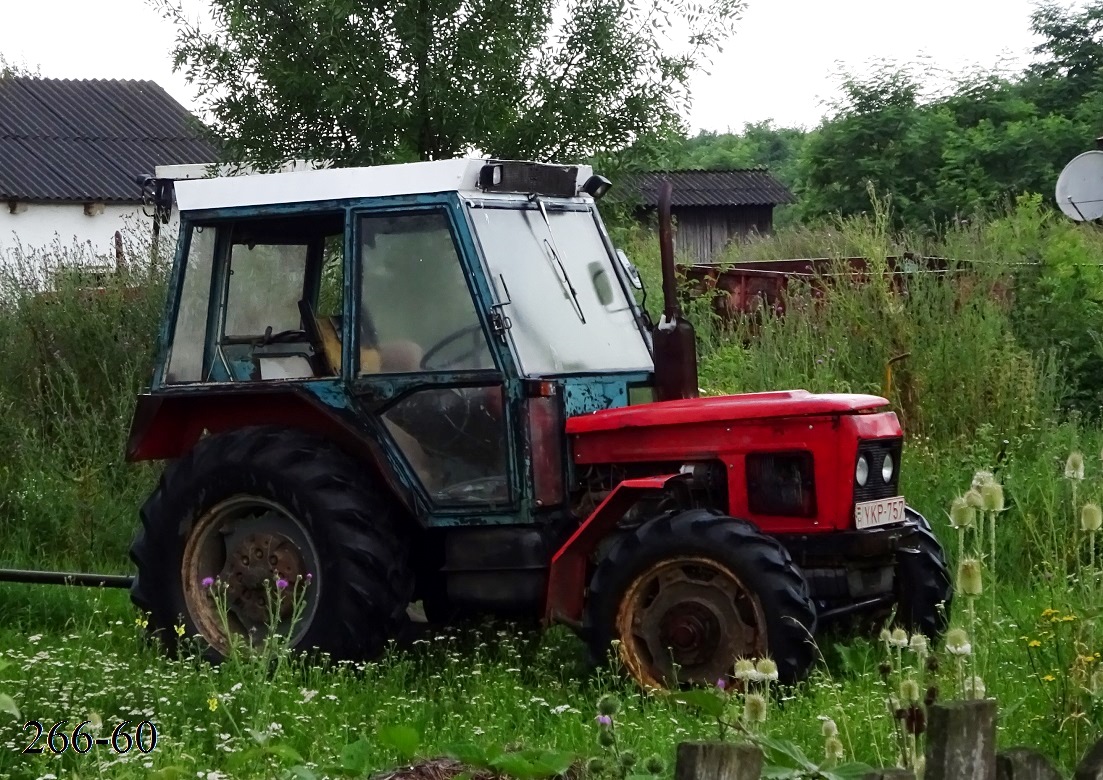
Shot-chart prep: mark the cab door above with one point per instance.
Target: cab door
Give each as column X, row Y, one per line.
column 428, row 368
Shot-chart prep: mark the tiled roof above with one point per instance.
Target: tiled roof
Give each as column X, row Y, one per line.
column 746, row 187
column 87, row 140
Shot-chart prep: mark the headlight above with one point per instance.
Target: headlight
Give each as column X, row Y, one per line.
column 861, row 474
column 886, row 468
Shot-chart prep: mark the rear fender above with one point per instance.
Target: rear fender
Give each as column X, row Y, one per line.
column 569, row 566
column 165, row 426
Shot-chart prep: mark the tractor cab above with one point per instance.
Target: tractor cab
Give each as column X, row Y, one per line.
column 444, row 302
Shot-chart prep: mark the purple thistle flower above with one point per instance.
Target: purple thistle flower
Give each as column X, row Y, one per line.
column 309, row 576
column 604, row 720
column 207, row 582
column 722, row 683
column 281, row 583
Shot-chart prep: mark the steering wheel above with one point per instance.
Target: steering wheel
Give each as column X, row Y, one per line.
column 470, row 330
column 289, row 336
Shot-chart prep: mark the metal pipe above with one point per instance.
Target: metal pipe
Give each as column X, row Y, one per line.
column 666, row 253
column 32, row 577
column 857, row 606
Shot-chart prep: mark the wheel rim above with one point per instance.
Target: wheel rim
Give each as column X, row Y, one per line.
column 688, row 620
column 240, row 543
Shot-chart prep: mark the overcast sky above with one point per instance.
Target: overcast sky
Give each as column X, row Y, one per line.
column 781, row 65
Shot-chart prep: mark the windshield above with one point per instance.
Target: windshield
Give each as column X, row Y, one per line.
column 568, row 311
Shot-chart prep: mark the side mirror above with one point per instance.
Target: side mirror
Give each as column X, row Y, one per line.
column 631, row 270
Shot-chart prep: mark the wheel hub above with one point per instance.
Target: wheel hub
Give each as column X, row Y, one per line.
column 688, row 619
column 248, row 544
column 254, row 563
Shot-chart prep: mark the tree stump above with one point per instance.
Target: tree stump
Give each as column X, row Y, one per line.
column 961, row 740
column 718, row 761
column 1024, row 764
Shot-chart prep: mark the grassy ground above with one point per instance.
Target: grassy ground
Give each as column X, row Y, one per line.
column 981, row 390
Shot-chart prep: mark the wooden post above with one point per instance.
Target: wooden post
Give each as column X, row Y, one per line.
column 1091, row 765
column 961, row 740
column 718, row 761
column 1024, row 764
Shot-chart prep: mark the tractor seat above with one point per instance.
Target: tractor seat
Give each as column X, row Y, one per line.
column 370, row 359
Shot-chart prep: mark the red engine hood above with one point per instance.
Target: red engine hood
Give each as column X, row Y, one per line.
column 746, row 406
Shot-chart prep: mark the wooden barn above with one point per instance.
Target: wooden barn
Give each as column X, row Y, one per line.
column 710, row 208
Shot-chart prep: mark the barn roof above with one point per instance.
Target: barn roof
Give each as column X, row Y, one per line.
column 87, row 140
column 740, row 187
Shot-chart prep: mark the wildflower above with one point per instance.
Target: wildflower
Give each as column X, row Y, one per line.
column 992, row 495
column 974, row 687
column 1049, row 678
column 212, row 704
column 141, row 622
column 767, row 669
column 180, row 630
column 1074, row 466
column 969, row 577
column 754, row 708
column 604, row 720
column 1091, row 518
column 309, row 576
column 721, row 683
column 833, row 749
column 627, row 759
column 608, row 705
column 899, row 638
column 909, row 691
column 207, row 582
column 744, row 669
column 1033, row 643
column 982, row 478
column 307, row 694
column 829, row 728
column 281, row 583
column 974, row 499
column 957, row 642
column 961, row 514
column 918, row 644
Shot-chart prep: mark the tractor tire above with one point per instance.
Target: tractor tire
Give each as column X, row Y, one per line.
column 256, row 505
column 712, row 585
column 924, row 589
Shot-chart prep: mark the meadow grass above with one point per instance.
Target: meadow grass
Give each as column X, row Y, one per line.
column 974, row 394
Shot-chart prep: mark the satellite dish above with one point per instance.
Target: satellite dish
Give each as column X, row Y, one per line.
column 1080, row 187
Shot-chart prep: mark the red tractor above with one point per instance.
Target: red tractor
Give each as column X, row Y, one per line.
column 507, row 432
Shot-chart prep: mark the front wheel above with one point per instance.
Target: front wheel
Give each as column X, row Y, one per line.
column 263, row 528
column 687, row 594
column 923, row 585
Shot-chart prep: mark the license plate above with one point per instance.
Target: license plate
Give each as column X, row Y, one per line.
column 882, row 512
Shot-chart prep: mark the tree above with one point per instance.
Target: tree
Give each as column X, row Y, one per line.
column 360, row 82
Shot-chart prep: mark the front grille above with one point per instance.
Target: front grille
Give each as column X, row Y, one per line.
column 875, row 487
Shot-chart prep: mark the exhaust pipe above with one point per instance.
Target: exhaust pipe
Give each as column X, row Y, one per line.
column 674, row 341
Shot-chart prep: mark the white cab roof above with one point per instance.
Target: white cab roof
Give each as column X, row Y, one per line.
column 302, row 181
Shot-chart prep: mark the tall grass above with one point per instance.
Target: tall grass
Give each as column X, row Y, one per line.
column 76, row 349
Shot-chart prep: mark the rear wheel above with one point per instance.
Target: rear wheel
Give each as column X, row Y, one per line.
column 689, row 593
column 249, row 508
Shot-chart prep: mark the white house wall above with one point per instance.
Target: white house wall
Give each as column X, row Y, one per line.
column 66, row 229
